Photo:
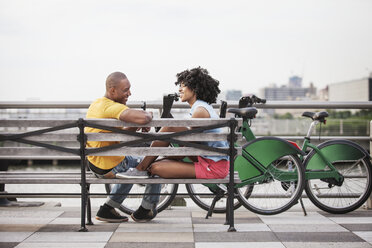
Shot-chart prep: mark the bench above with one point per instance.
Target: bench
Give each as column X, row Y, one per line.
column 65, row 139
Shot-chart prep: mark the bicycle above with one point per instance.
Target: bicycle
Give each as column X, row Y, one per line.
column 272, row 182
column 338, row 172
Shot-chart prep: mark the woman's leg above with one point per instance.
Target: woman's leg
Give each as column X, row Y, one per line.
column 173, row 169
column 149, row 159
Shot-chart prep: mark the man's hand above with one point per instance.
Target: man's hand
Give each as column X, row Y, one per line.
column 145, row 129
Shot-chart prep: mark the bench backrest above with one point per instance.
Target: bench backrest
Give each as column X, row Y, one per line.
column 60, row 139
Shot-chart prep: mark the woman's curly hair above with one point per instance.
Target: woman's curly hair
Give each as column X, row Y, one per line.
column 199, row 81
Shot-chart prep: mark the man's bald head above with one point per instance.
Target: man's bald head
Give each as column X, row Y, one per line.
column 114, row 79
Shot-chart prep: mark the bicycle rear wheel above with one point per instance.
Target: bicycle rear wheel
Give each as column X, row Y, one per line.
column 132, row 202
column 276, row 194
column 203, row 197
column 353, row 163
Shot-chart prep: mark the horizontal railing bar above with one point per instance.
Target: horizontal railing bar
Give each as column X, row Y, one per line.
column 158, row 122
column 159, row 105
column 50, row 137
column 35, row 152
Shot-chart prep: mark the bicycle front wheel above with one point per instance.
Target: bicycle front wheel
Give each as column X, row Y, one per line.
column 132, row 202
column 203, row 197
column 276, row 193
column 353, row 163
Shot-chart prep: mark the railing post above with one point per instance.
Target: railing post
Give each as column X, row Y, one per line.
column 369, row 200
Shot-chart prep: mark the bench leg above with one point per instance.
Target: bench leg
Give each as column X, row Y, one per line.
column 230, row 209
column 83, row 228
column 89, row 209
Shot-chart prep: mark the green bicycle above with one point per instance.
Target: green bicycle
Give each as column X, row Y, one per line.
column 338, row 172
column 270, row 169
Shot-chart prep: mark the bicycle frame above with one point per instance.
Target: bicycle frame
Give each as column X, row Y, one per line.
column 255, row 169
column 320, row 173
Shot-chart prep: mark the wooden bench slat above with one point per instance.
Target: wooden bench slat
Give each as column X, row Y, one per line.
column 75, row 178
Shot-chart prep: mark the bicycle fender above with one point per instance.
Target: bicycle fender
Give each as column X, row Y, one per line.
column 268, row 149
column 335, row 150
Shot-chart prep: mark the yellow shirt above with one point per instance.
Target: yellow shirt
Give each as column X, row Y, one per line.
column 104, row 108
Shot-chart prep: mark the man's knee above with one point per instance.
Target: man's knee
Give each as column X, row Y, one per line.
column 155, row 168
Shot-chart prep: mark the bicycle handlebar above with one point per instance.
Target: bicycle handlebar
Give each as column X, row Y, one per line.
column 247, row 101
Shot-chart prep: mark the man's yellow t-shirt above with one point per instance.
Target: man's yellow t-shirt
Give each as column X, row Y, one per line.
column 104, row 108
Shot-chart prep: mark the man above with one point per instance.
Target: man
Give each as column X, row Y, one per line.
column 113, row 105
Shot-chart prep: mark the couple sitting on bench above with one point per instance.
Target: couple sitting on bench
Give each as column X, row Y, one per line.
column 199, row 90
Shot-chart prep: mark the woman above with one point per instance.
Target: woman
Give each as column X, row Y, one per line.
column 199, row 90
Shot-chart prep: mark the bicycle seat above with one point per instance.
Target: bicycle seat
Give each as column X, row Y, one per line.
column 316, row 116
column 249, row 112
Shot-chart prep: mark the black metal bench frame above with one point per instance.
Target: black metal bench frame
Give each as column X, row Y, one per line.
column 82, row 152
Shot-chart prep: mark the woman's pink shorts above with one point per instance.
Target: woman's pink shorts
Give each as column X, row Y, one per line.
column 207, row 168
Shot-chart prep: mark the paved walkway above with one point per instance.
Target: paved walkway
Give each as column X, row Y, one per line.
column 51, row 227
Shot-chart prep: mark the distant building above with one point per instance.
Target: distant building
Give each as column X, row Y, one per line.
column 291, row 92
column 353, row 90
column 295, row 82
column 233, row 95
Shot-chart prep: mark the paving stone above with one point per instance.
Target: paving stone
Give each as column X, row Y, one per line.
column 202, row 220
column 307, row 228
column 150, row 245
column 351, row 220
column 140, row 227
column 71, row 221
column 14, row 236
column 8, row 244
column 109, row 227
column 19, row 228
column 30, row 214
column 327, row 245
column 69, row 237
column 152, row 237
column 295, row 218
column 357, row 227
column 235, row 237
column 356, row 213
column 239, row 245
column 185, row 227
column 24, row 221
column 238, row 227
column 166, row 220
column 318, row 237
column 367, row 236
column 61, row 245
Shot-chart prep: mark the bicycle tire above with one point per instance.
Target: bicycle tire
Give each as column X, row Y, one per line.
column 274, row 196
column 355, row 189
column 130, row 204
column 203, row 196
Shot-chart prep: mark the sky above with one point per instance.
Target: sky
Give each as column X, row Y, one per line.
column 63, row 50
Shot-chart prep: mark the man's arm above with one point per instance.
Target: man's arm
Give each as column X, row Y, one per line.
column 136, row 116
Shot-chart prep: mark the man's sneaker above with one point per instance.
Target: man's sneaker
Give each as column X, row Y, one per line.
column 109, row 214
column 144, row 215
column 133, row 173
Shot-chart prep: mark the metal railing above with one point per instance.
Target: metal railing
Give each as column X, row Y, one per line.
column 231, row 104
column 159, row 105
